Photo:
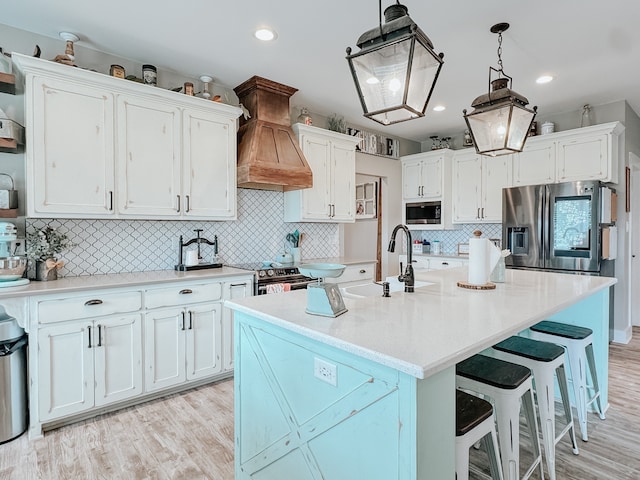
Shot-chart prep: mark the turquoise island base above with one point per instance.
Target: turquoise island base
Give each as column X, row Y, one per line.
column 371, row 393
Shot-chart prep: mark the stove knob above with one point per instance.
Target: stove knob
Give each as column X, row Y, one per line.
column 270, row 273
column 261, row 273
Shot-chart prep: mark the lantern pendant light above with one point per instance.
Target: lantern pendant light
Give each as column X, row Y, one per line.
column 500, row 121
column 396, row 68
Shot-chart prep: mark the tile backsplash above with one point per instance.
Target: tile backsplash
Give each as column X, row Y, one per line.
column 120, row 246
column 449, row 239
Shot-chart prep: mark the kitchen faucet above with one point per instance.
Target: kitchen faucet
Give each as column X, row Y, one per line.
column 407, row 277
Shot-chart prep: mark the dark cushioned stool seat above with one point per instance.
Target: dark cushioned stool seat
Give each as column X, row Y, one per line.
column 492, row 371
column 562, row 330
column 471, row 411
column 528, row 348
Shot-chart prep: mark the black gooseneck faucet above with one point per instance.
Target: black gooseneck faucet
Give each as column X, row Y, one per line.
column 407, row 277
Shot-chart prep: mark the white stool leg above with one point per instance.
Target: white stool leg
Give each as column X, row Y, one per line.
column 509, row 433
column 579, row 378
column 543, row 376
column 491, row 447
column 462, row 461
column 594, row 378
column 530, row 414
column 566, row 404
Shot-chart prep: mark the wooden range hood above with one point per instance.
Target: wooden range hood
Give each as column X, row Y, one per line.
column 269, row 157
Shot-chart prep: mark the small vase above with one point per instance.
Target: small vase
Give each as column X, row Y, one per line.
column 45, row 272
column 295, row 253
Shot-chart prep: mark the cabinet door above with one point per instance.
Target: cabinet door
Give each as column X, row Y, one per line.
column 149, row 163
column 467, row 187
column 164, row 348
column 343, row 172
column 65, row 369
column 232, row 289
column 583, row 159
column 432, row 177
column 70, row 156
column 118, row 358
column 316, row 200
column 535, row 165
column 204, row 342
column 412, row 180
column 496, row 175
column 209, row 166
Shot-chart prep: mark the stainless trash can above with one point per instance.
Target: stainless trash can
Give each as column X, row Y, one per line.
column 13, row 379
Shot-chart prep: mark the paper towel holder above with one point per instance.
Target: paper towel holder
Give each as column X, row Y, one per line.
column 472, row 286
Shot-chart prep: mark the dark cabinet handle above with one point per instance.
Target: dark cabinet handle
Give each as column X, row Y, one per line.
column 363, row 271
column 99, row 335
column 186, row 291
column 445, row 263
column 89, row 330
column 110, row 201
column 178, row 203
column 93, row 302
column 238, row 285
column 182, row 326
column 188, row 204
column 190, row 320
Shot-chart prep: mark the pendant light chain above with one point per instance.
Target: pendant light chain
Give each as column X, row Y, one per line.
column 500, row 52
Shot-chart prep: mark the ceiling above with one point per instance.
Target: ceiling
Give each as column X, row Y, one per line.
column 591, row 47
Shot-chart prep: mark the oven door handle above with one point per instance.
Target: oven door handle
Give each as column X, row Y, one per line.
column 262, row 289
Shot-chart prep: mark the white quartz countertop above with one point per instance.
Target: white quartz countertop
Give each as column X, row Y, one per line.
column 92, row 282
column 427, row 331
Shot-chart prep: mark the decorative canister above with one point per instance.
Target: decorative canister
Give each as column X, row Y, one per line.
column 547, row 127
column 150, row 74
column 188, row 89
column 47, row 270
column 117, row 71
column 305, row 117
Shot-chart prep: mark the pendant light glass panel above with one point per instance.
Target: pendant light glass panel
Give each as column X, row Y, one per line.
column 392, row 89
column 500, row 130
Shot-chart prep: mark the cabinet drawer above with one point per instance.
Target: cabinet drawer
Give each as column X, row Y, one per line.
column 89, row 305
column 445, row 263
column 364, row 273
column 183, row 295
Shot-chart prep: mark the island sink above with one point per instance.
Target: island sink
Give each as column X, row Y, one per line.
column 375, row 289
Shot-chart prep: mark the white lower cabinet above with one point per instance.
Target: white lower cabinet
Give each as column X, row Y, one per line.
column 89, row 363
column 181, row 344
column 435, row 262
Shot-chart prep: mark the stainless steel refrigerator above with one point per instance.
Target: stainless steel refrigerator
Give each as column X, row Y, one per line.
column 557, row 227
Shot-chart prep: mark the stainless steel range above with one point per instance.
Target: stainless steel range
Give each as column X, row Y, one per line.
column 274, row 279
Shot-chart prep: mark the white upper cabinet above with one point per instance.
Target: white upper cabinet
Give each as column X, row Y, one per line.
column 423, row 175
column 535, row 165
column 332, row 159
column 149, row 167
column 478, row 181
column 70, row 158
column 174, row 155
column 590, row 153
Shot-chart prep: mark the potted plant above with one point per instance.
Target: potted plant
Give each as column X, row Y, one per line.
column 42, row 247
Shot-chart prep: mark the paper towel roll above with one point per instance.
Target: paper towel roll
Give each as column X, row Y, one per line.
column 483, row 256
column 478, row 267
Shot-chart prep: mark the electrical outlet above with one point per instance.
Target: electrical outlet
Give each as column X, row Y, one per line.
column 325, row 371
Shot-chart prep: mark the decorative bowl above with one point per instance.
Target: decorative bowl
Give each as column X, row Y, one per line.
column 321, row 270
column 12, row 268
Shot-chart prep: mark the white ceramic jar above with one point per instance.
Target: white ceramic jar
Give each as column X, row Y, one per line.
column 547, row 127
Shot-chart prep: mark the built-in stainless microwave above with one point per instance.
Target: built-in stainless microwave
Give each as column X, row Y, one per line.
column 423, row 213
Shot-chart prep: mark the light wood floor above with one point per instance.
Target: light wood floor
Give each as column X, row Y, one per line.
column 190, row 436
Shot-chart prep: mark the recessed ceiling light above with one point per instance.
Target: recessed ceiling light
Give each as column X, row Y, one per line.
column 265, row 34
column 544, row 79
column 439, row 108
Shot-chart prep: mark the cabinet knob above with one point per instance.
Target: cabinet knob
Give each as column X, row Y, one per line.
column 186, row 291
column 363, row 271
column 96, row 301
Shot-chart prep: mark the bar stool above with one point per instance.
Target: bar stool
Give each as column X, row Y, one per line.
column 506, row 385
column 543, row 358
column 578, row 342
column 474, row 422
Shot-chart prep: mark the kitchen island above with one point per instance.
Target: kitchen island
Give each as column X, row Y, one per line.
column 371, row 393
